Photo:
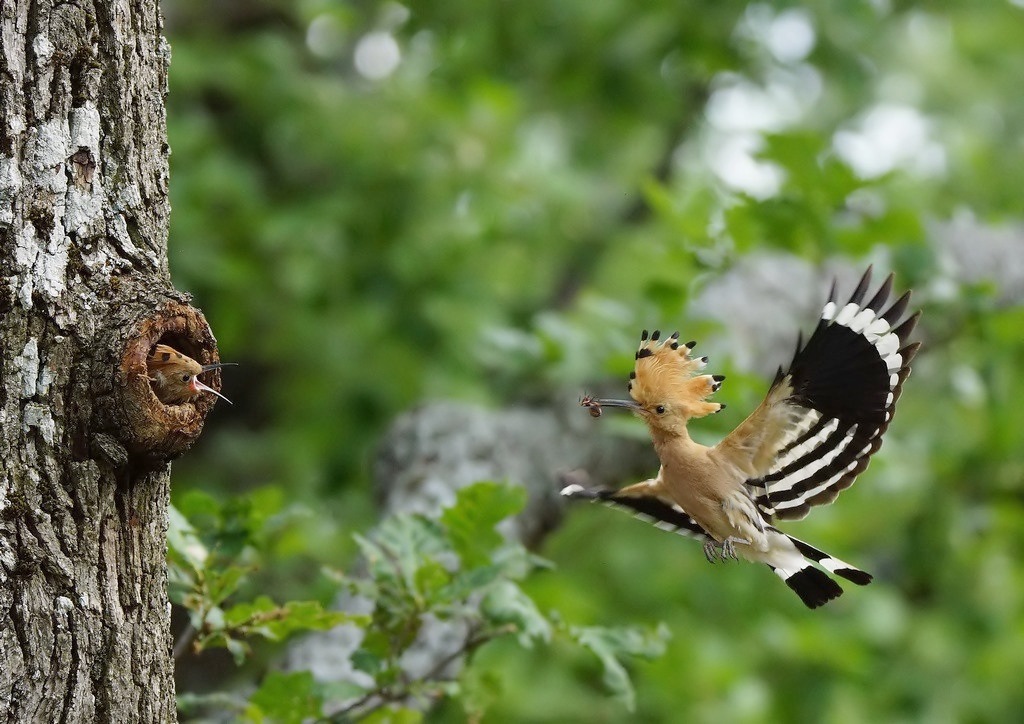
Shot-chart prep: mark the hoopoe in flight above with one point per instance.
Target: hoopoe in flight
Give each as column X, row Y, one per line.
column 808, row 440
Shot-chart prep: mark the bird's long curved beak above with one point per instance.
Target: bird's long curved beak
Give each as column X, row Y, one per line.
column 630, row 405
column 595, row 405
column 201, row 387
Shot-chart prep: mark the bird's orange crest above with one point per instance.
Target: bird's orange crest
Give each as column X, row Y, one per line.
column 664, row 375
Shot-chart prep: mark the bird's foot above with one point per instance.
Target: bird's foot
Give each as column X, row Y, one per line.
column 711, row 550
column 729, row 550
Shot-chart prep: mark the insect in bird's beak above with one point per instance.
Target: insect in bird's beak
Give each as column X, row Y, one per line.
column 594, row 405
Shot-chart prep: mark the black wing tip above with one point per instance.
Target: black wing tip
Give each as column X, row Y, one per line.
column 878, row 299
column 908, row 353
column 854, row 575
column 814, row 587
column 647, row 508
column 862, row 287
column 799, row 348
column 883, row 293
column 838, row 371
column 907, row 326
column 895, row 312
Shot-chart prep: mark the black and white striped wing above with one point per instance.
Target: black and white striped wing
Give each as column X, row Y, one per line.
column 845, row 381
column 649, row 508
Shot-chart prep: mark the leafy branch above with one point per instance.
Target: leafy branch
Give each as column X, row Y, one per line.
column 202, row 581
column 420, row 572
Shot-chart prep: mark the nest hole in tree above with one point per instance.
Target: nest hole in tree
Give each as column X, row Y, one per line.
column 151, row 429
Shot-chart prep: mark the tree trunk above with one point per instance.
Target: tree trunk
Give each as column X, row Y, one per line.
column 84, row 295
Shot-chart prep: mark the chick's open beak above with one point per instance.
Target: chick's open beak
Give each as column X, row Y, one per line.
column 198, row 387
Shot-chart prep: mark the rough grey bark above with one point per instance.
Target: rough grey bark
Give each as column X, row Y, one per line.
column 433, row 451
column 84, row 292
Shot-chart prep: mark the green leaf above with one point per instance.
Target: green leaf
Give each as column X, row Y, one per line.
column 339, row 690
column 612, row 645
column 239, row 650
column 480, row 689
column 431, row 580
column 516, row 562
column 222, row 583
column 364, row 659
column 286, row 697
column 243, row 612
column 470, row 522
column 505, row 603
column 465, row 583
column 198, row 503
column 183, row 544
column 213, row 619
column 265, row 618
column 399, row 545
column 239, row 526
column 311, row 616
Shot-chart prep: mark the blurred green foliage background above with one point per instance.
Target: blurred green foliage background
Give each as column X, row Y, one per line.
column 378, row 204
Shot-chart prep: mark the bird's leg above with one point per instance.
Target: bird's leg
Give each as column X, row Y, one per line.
column 711, row 550
column 728, row 550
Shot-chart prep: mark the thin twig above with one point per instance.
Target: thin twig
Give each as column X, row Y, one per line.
column 183, row 641
column 386, row 695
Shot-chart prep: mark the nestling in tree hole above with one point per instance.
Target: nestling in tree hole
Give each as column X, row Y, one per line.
column 175, row 376
column 811, row 437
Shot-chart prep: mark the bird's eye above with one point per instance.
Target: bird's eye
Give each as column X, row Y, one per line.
column 660, row 409
column 184, row 377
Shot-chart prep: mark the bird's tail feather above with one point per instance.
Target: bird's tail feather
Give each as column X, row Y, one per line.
column 813, row 586
column 794, row 562
column 831, row 563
